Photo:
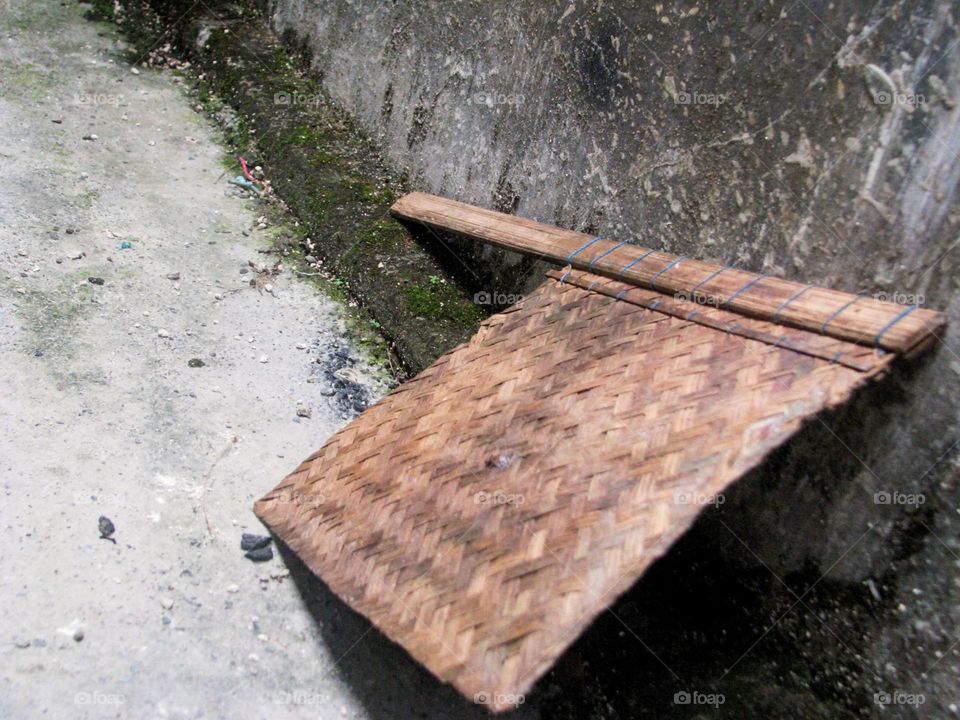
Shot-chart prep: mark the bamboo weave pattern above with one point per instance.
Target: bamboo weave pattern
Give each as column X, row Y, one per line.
column 485, row 512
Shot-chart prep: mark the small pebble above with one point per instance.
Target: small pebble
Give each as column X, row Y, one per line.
column 163, row 333
column 264, row 359
column 304, row 411
column 95, row 280
column 195, row 363
column 78, row 634
column 166, row 603
column 249, row 541
column 233, row 588
column 106, row 527
column 90, row 137
column 260, row 554
column 173, row 276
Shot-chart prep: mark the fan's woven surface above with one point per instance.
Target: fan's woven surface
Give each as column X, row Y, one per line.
column 486, row 511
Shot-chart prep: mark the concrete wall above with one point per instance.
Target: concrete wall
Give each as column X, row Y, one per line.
column 811, row 140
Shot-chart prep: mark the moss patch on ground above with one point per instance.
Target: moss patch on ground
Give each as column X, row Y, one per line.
column 50, row 320
column 331, row 175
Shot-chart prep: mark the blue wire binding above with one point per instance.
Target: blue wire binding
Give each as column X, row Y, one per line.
column 675, row 262
column 749, row 285
column 783, row 305
column 583, row 247
column 634, row 262
column 833, row 315
column 898, row 318
column 604, row 254
column 708, row 279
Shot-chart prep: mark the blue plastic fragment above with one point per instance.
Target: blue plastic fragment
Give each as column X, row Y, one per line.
column 241, row 181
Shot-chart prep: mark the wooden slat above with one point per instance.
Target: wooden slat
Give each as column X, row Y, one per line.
column 859, row 357
column 838, row 314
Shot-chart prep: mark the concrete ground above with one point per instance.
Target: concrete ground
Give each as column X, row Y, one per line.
column 102, row 412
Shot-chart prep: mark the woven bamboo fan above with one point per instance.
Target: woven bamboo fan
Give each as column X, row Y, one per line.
column 485, row 512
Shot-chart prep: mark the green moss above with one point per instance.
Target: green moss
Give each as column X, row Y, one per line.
column 304, row 135
column 440, row 300
column 26, row 16
column 371, row 193
column 52, row 319
column 320, row 159
column 383, row 233
column 28, row 81
column 86, row 199
column 100, row 10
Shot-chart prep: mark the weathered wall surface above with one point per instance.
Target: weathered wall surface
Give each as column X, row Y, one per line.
column 812, row 140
